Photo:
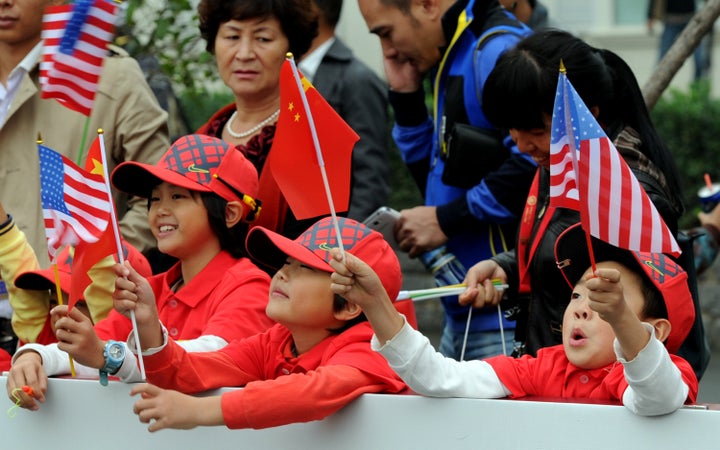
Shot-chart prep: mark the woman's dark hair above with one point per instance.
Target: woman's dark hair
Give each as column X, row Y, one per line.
column 231, row 239
column 297, row 18
column 521, row 90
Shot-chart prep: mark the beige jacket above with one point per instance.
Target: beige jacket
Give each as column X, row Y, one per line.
column 135, row 129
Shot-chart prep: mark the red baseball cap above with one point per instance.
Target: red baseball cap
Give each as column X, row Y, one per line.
column 313, row 248
column 667, row 276
column 44, row 279
column 197, row 162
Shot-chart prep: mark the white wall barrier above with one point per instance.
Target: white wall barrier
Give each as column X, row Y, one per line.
column 81, row 414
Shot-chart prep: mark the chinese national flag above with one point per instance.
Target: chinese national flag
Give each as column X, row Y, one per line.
column 89, row 254
column 294, row 158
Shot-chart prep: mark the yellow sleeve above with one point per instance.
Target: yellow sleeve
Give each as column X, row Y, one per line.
column 98, row 295
column 30, row 308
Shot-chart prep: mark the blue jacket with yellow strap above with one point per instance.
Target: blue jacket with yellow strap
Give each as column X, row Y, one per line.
column 482, row 220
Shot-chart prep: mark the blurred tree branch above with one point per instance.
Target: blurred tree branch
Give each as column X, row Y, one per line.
column 685, row 44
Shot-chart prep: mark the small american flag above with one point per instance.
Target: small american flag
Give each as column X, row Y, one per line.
column 75, row 39
column 76, row 205
column 588, row 174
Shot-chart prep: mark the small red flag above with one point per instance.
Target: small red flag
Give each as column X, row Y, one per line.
column 88, row 254
column 294, row 158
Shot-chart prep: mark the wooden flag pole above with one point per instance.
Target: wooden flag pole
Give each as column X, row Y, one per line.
column 58, row 288
column 59, row 294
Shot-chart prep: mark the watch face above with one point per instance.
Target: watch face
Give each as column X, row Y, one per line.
column 116, row 351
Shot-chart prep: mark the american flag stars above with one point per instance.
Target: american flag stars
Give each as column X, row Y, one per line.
column 76, row 205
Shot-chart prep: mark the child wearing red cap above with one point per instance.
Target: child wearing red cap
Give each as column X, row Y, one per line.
column 612, row 333
column 200, row 200
column 316, row 360
column 32, row 292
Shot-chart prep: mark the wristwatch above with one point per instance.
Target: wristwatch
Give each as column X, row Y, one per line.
column 114, row 353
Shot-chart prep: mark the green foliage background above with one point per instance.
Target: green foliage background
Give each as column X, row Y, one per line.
column 689, row 122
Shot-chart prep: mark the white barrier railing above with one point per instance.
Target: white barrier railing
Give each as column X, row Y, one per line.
column 81, row 414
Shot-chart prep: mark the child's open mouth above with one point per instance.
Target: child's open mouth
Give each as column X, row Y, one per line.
column 577, row 337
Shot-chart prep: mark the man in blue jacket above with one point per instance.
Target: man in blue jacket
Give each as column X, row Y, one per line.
column 473, row 211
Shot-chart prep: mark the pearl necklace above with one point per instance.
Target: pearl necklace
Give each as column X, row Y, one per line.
column 252, row 130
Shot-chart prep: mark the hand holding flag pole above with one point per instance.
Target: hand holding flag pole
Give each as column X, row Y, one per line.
column 58, row 292
column 121, row 258
column 61, row 236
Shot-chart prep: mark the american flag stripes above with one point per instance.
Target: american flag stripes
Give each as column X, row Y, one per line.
column 75, row 39
column 588, row 174
column 76, row 205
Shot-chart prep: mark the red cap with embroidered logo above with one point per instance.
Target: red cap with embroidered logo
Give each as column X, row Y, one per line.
column 196, row 162
column 44, row 279
column 666, row 275
column 313, row 249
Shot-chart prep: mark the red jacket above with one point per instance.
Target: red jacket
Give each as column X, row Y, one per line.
column 226, row 299
column 279, row 388
column 551, row 375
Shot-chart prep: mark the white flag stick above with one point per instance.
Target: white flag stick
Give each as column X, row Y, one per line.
column 318, row 152
column 118, row 243
column 437, row 292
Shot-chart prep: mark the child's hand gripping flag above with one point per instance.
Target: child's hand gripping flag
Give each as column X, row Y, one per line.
column 76, row 207
column 588, row 174
column 312, row 149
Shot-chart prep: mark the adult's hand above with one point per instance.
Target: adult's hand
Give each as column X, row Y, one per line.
column 480, row 289
column 417, row 230
column 402, row 76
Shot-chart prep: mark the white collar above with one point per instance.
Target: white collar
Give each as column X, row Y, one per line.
column 32, row 58
column 309, row 64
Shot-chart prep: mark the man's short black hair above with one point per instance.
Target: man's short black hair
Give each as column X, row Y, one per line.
column 330, row 10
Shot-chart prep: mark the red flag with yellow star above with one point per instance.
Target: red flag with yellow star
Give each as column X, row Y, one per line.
column 312, row 149
column 89, row 254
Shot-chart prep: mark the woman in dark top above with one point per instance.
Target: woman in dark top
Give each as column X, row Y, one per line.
column 519, row 95
column 250, row 39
